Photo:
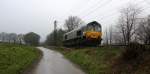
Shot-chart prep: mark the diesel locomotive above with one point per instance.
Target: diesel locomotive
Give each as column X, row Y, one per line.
column 89, row 34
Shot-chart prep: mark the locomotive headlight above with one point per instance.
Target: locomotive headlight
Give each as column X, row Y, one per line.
column 84, row 33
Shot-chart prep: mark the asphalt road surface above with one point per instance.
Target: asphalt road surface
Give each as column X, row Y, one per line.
column 53, row 62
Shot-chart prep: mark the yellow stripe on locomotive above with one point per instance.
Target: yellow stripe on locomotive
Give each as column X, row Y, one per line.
column 92, row 35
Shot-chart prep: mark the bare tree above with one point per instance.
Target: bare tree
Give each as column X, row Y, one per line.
column 117, row 38
column 72, row 22
column 20, row 38
column 3, row 36
column 127, row 22
column 13, row 37
column 143, row 32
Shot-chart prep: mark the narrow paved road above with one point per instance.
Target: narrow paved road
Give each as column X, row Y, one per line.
column 53, row 62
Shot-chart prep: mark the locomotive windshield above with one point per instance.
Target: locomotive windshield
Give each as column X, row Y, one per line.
column 93, row 27
column 97, row 28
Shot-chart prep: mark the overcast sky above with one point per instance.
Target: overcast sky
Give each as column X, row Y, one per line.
column 22, row 16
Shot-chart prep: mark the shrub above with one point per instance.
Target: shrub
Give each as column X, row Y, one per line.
column 133, row 52
column 130, row 59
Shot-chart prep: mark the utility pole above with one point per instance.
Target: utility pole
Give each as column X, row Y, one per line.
column 149, row 24
column 55, row 25
column 148, row 19
column 107, row 41
column 55, row 32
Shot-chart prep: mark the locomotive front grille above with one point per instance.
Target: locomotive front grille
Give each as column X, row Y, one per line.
column 92, row 35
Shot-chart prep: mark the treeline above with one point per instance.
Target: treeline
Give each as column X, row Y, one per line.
column 30, row 38
column 12, row 38
column 55, row 38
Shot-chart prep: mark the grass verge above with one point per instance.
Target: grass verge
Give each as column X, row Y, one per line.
column 133, row 59
column 14, row 59
column 92, row 60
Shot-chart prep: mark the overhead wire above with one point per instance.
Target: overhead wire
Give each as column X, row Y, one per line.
column 94, row 5
column 147, row 2
column 115, row 14
column 98, row 7
column 62, row 17
column 72, row 9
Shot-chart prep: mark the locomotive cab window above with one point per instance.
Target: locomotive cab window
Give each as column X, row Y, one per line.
column 97, row 28
column 90, row 28
column 79, row 33
column 65, row 37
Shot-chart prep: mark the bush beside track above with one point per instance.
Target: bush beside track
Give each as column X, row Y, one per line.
column 14, row 59
column 135, row 59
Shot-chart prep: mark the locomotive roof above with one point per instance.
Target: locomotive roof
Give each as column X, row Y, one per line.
column 94, row 22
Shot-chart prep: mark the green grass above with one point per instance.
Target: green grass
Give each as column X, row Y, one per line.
column 109, row 60
column 15, row 58
column 93, row 60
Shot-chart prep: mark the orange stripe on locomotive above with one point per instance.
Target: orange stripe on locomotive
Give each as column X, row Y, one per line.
column 93, row 35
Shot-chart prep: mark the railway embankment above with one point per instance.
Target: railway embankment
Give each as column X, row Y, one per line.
column 93, row 60
column 133, row 59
